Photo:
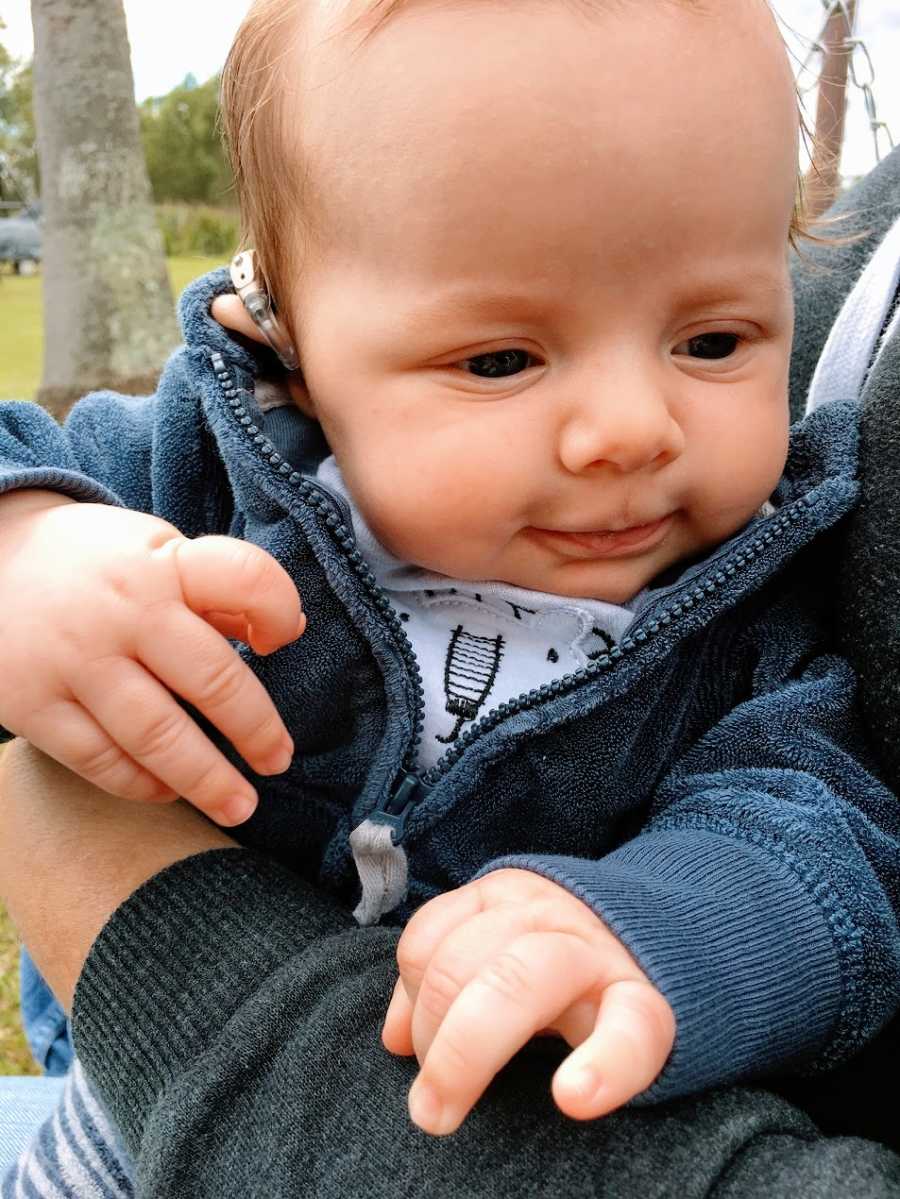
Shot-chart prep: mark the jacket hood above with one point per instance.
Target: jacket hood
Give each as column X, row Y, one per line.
column 204, row 334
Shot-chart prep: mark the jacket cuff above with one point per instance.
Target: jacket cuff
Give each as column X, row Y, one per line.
column 49, row 478
column 728, row 934
column 176, row 961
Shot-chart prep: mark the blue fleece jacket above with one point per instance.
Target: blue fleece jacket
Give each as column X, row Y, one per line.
column 704, row 787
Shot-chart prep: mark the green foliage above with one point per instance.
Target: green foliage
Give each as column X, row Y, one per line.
column 185, row 157
column 198, row 229
column 19, row 177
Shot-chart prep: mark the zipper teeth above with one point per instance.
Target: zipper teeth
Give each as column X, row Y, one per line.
column 686, row 602
column 341, row 534
column 628, row 644
column 338, row 531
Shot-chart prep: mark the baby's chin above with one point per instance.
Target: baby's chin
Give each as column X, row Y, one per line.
column 611, row 583
column 611, row 580
column 535, row 565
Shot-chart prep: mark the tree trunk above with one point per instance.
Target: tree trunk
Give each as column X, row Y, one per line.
column 109, row 319
column 823, row 178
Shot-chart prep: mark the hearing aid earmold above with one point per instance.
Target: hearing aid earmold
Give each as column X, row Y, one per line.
column 259, row 306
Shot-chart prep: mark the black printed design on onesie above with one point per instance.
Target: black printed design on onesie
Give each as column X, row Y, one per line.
column 470, row 668
column 518, row 609
column 608, row 643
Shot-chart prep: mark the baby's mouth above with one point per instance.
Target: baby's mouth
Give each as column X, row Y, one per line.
column 608, row 543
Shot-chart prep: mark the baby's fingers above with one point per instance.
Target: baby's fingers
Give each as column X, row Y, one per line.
column 624, row 1055
column 521, row 991
column 197, row 663
column 144, row 720
column 233, row 627
column 396, row 1035
column 232, row 577
column 68, row 733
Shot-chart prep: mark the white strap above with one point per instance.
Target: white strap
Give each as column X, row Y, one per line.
column 850, row 348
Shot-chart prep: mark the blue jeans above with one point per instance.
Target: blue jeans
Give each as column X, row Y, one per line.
column 44, row 1021
column 24, row 1105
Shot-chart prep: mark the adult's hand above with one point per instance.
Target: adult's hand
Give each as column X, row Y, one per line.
column 70, row 854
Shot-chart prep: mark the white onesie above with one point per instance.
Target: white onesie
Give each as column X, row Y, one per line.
column 480, row 644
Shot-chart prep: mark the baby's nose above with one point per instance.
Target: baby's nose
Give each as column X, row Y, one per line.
column 631, row 428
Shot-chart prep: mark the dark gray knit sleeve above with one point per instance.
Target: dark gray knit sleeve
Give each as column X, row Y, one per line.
column 229, row 1017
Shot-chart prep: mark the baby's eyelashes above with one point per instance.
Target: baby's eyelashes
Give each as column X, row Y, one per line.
column 497, row 364
column 709, row 346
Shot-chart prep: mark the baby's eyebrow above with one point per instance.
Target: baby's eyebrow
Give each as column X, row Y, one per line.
column 469, row 303
column 475, row 303
column 734, row 289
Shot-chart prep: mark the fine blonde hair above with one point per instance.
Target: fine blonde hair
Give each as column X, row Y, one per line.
column 274, row 190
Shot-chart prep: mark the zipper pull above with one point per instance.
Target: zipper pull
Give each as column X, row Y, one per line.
column 379, row 855
column 398, row 806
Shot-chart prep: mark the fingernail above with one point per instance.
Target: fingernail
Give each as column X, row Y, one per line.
column 278, row 762
column 236, row 810
column 583, row 1081
column 425, row 1108
column 301, row 627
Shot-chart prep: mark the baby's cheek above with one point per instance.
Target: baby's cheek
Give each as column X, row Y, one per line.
column 406, row 513
column 444, row 506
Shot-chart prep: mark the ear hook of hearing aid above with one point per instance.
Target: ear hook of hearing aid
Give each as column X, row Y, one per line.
column 258, row 304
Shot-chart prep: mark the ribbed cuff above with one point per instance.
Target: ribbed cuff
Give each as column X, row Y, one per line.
column 731, row 938
column 177, row 960
column 50, row 478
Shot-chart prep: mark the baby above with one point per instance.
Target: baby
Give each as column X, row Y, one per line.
column 533, row 260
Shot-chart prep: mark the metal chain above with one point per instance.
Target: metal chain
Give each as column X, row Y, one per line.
column 859, row 55
column 862, row 75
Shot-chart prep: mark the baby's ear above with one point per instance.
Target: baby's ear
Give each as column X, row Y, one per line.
column 231, row 314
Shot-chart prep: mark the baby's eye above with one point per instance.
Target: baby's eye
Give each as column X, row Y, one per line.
column 498, row 364
column 709, row 346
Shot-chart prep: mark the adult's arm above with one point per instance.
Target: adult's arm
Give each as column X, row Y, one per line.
column 229, row 1016
column 70, row 854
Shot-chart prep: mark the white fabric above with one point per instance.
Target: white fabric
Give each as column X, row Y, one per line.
column 853, row 345
column 481, row 644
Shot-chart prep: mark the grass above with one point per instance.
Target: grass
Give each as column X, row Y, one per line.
column 21, row 335
column 21, row 348
column 15, row 1057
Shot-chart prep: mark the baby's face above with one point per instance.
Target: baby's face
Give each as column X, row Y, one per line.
column 547, row 334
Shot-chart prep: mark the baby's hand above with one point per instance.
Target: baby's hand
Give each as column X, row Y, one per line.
column 104, row 613
column 485, row 968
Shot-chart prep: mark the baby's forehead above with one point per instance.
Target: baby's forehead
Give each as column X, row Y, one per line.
column 412, row 121
column 333, row 44
column 368, row 79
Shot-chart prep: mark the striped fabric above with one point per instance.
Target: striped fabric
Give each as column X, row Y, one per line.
column 75, row 1153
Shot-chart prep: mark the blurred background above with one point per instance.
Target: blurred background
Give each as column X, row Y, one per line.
column 115, row 192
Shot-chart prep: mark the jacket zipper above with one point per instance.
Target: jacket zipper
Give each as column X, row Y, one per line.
column 410, row 789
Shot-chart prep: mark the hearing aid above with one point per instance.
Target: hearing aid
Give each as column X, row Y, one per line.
column 259, row 306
